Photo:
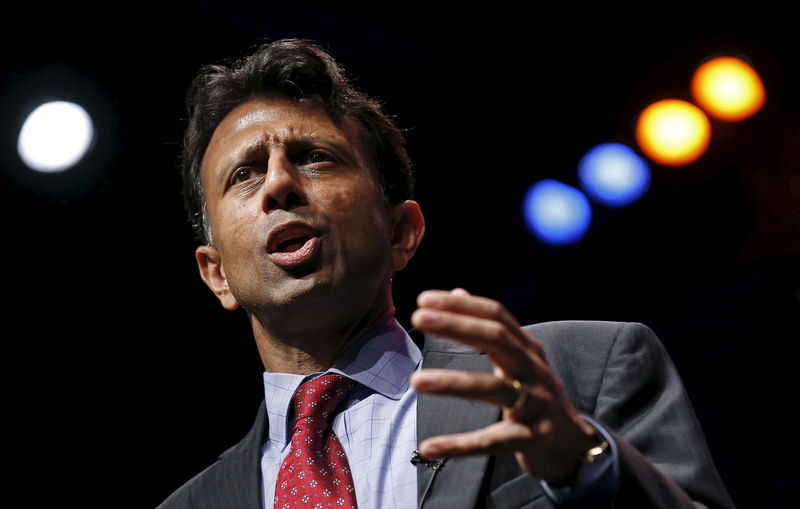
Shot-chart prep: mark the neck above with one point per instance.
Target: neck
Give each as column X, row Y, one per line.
column 310, row 347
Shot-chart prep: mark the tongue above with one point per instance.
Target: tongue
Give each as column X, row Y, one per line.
column 292, row 245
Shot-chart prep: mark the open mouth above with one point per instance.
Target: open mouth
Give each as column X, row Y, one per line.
column 292, row 244
column 289, row 237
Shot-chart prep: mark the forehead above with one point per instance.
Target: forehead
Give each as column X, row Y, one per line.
column 265, row 123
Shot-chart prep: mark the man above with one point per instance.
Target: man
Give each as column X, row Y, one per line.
column 300, row 188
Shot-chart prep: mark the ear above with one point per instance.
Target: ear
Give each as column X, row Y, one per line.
column 213, row 273
column 408, row 230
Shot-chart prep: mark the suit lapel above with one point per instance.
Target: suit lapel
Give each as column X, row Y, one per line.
column 458, row 482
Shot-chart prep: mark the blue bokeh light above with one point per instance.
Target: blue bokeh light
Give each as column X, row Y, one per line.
column 613, row 174
column 556, row 213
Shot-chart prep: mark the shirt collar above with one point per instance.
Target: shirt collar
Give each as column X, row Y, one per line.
column 383, row 360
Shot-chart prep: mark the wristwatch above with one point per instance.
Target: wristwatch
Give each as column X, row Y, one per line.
column 595, row 453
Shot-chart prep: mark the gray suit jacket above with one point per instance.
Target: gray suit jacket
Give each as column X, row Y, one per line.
column 618, row 373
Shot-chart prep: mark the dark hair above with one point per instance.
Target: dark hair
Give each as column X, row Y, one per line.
column 299, row 70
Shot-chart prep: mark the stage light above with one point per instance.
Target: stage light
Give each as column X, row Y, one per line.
column 556, row 213
column 728, row 89
column 673, row 132
column 55, row 136
column 613, row 174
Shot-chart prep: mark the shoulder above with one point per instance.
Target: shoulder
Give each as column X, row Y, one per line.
column 587, row 333
column 591, row 341
column 586, row 354
column 214, row 487
column 233, row 481
column 183, row 496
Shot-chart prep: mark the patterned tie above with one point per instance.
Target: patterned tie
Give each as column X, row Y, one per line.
column 315, row 474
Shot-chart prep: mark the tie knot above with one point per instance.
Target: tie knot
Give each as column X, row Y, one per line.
column 320, row 397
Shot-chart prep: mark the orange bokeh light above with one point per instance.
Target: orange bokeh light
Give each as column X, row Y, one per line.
column 728, row 89
column 673, row 132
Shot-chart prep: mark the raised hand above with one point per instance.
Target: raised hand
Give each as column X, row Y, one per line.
column 539, row 424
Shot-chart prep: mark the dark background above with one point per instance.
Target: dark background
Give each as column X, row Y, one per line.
column 124, row 377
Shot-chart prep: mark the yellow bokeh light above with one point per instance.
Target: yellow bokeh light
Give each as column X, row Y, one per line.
column 673, row 132
column 728, row 89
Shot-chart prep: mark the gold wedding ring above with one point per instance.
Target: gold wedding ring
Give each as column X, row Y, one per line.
column 519, row 388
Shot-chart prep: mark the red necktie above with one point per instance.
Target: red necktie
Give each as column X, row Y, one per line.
column 315, row 474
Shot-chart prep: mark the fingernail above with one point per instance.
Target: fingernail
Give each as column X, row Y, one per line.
column 427, row 317
column 431, row 451
column 423, row 380
column 430, row 299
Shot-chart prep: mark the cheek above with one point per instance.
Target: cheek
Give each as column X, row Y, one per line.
column 340, row 205
column 362, row 206
column 357, row 192
column 236, row 237
column 362, row 222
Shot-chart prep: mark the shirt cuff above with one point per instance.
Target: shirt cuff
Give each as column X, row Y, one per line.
column 598, row 480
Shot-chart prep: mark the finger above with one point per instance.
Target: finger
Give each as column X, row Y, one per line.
column 460, row 301
column 490, row 336
column 465, row 384
column 526, row 403
column 498, row 438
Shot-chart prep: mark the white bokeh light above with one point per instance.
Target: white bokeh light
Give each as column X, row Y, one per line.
column 55, row 136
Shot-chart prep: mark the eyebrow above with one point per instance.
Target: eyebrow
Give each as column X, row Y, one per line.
column 235, row 157
column 342, row 148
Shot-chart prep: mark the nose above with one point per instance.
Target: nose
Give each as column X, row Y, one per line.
column 283, row 186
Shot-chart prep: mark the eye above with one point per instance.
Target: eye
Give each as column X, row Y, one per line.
column 242, row 174
column 318, row 156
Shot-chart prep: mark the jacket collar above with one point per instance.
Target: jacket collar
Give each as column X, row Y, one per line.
column 457, row 483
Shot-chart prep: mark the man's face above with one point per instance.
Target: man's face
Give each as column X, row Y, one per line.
column 296, row 213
